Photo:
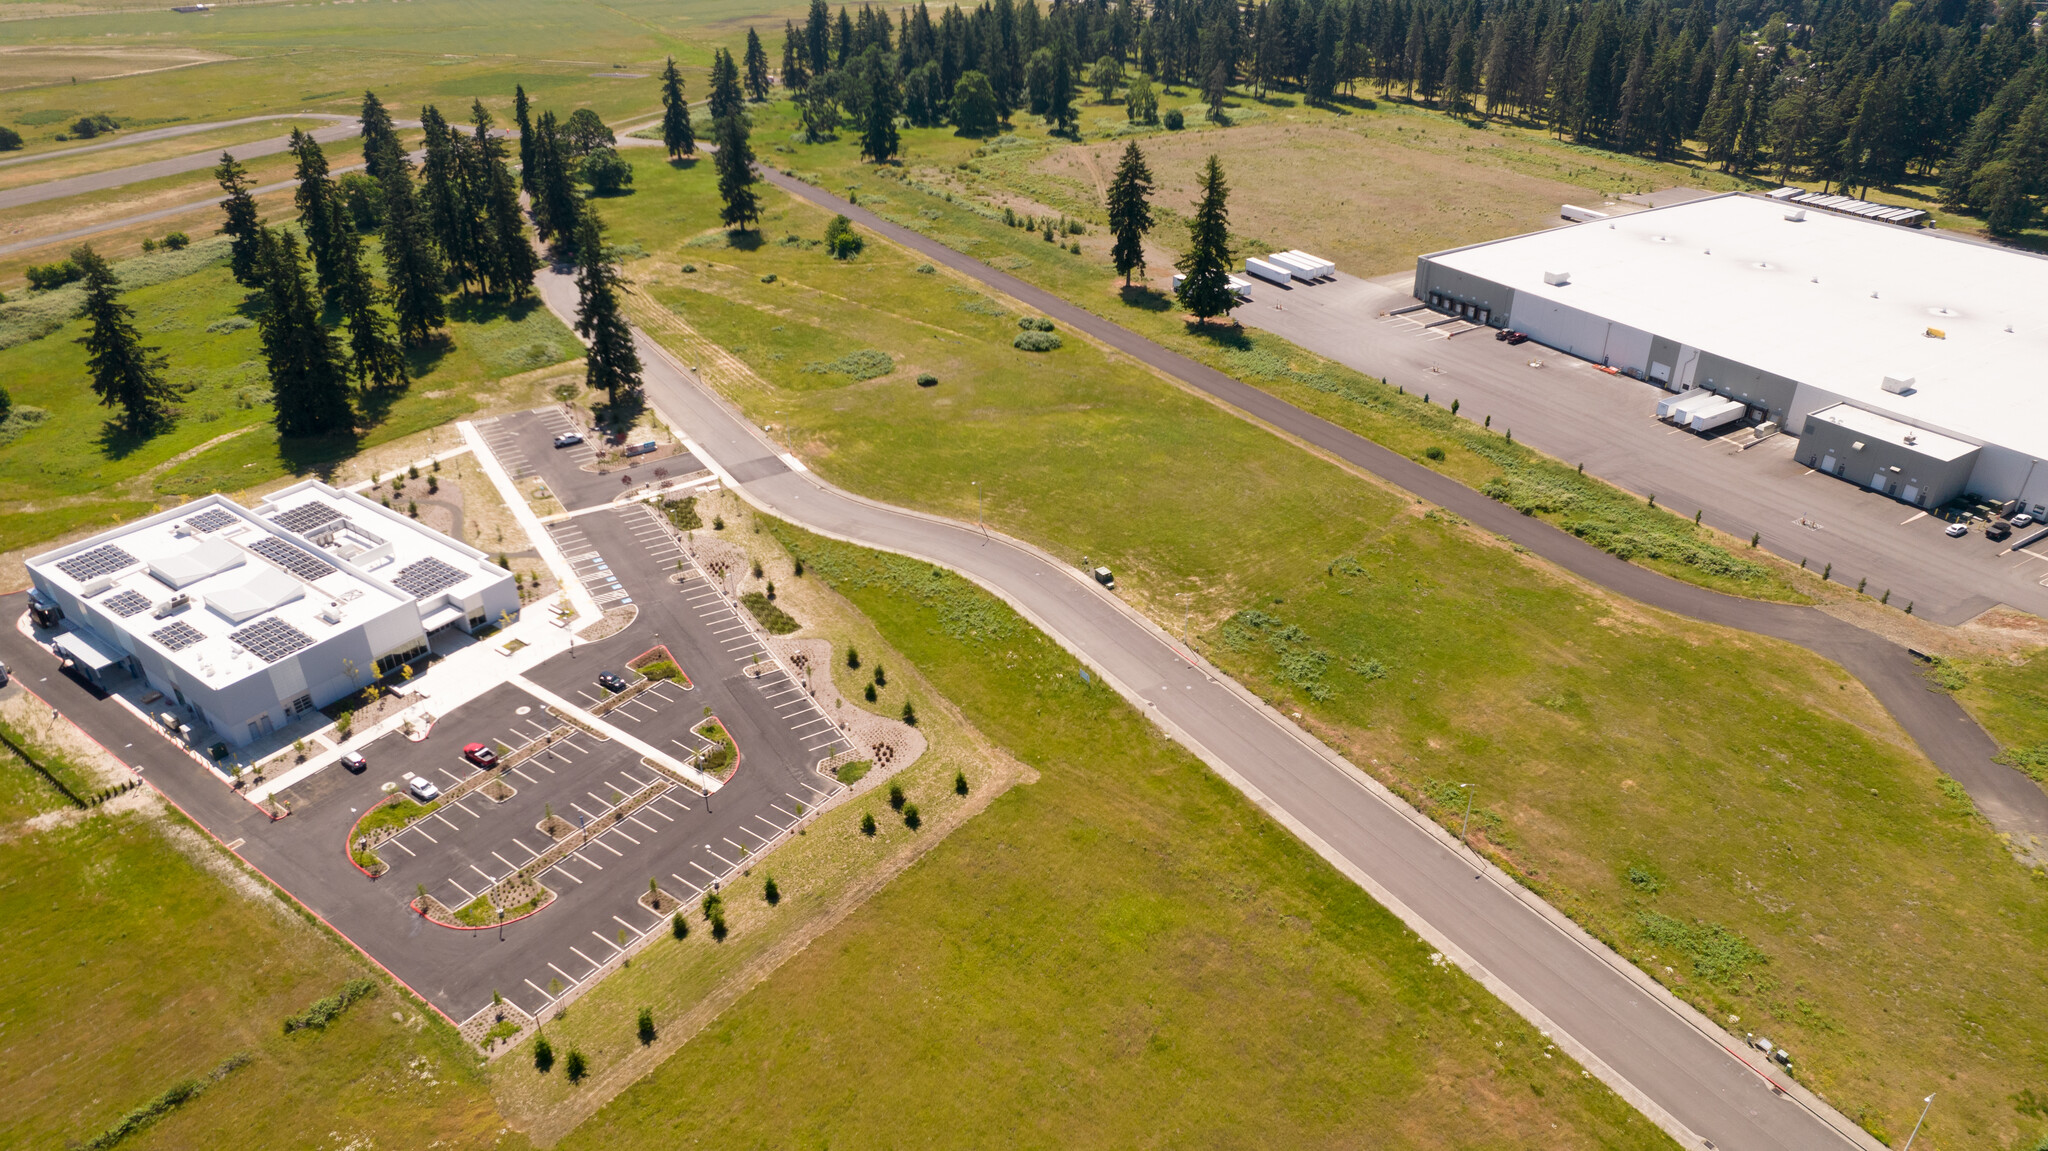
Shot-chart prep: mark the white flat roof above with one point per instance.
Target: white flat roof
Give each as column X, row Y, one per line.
column 261, row 585
column 1832, row 301
column 1888, row 430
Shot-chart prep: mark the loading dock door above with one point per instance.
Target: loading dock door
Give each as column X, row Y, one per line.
column 1878, row 481
column 1911, row 495
column 1828, row 465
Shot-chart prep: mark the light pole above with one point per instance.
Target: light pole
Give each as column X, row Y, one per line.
column 1929, row 1101
column 501, row 925
column 980, row 516
column 1465, row 826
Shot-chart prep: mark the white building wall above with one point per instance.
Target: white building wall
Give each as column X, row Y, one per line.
column 1554, row 325
column 1628, row 349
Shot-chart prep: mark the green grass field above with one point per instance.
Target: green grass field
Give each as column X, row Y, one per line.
column 1123, row 953
column 74, row 468
column 1804, row 848
column 141, row 955
column 2010, row 698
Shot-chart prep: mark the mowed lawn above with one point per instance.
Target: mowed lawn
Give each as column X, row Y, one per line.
column 1125, row 953
column 1799, row 866
column 76, row 468
column 135, row 962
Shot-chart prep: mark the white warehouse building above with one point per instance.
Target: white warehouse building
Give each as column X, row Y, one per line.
column 1907, row 362
column 255, row 617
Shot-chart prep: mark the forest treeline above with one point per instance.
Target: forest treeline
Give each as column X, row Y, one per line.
column 1850, row 94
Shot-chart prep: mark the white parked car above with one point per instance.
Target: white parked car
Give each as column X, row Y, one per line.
column 2022, row 520
column 423, row 789
column 1958, row 530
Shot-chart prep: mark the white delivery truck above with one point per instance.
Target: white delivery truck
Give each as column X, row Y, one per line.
column 1715, row 415
column 1318, row 267
column 1679, row 408
column 1274, row 273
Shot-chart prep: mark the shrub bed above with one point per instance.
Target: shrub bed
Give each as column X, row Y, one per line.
column 772, row 618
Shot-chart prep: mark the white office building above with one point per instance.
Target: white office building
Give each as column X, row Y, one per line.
column 256, row 616
column 1908, row 362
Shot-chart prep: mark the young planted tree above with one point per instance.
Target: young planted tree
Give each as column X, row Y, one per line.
column 677, row 134
column 1106, row 77
column 323, row 219
column 1206, row 290
column 308, row 383
column 610, row 364
column 736, row 174
column 125, row 373
column 245, row 249
column 878, row 139
column 1130, row 211
column 757, row 80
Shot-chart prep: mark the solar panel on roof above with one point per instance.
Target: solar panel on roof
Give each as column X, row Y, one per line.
column 423, row 578
column 177, row 636
column 103, row 560
column 211, row 520
column 305, row 517
column 291, row 559
column 271, row 639
column 126, row 603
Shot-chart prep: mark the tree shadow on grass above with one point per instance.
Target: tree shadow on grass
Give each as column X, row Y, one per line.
column 684, row 163
column 1223, row 332
column 744, row 240
column 118, row 441
column 319, row 455
column 1144, row 297
column 426, row 357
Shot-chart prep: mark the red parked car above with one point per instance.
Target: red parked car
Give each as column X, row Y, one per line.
column 480, row 755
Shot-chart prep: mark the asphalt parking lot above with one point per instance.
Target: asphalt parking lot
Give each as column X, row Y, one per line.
column 1571, row 409
column 524, row 444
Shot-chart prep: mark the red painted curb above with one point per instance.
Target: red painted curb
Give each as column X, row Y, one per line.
column 737, row 754
column 278, row 887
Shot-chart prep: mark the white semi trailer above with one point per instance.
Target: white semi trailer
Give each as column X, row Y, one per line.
column 1680, row 407
column 1715, row 415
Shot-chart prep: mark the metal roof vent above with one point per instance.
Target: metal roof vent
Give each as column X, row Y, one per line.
column 1796, row 215
column 1898, row 385
column 1557, row 279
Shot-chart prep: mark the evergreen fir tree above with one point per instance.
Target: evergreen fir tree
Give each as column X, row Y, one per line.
column 125, row 373
column 757, row 68
column 878, row 139
column 308, row 384
column 735, row 164
column 381, row 150
column 1206, row 290
column 610, row 363
column 796, row 72
column 322, row 217
column 677, row 133
column 1130, row 211
column 557, row 206
column 726, row 98
column 243, row 224
column 511, row 261
column 522, row 115
column 818, row 37
column 412, row 265
column 447, row 206
column 374, row 356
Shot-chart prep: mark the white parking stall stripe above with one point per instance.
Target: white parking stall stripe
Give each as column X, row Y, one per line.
column 488, row 877
column 558, row 971
column 559, row 869
column 582, row 858
column 466, row 896
column 424, row 835
column 610, row 848
column 704, row 869
column 694, row 889
column 636, row 819
column 537, row 987
column 402, row 847
column 506, row 862
column 627, row 926
column 587, row 959
column 621, row 833
column 603, row 940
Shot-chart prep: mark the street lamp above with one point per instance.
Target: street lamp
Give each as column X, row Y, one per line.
column 501, row 925
column 1465, row 826
column 979, row 521
column 1929, row 1101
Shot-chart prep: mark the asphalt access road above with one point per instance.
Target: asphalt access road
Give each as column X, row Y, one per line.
column 152, row 134
column 176, row 165
column 524, row 443
column 1574, row 411
column 1661, row 1055
column 1946, row 733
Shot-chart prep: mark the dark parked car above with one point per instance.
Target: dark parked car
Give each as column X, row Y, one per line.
column 1518, row 337
column 611, row 681
column 1998, row 531
column 480, row 755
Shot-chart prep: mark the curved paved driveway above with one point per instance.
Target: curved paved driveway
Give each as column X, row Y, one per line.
column 1948, row 735
column 1666, row 1059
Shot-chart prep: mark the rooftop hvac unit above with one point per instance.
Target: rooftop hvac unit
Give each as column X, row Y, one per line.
column 1557, row 279
column 1897, row 385
column 170, row 605
column 1796, row 215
